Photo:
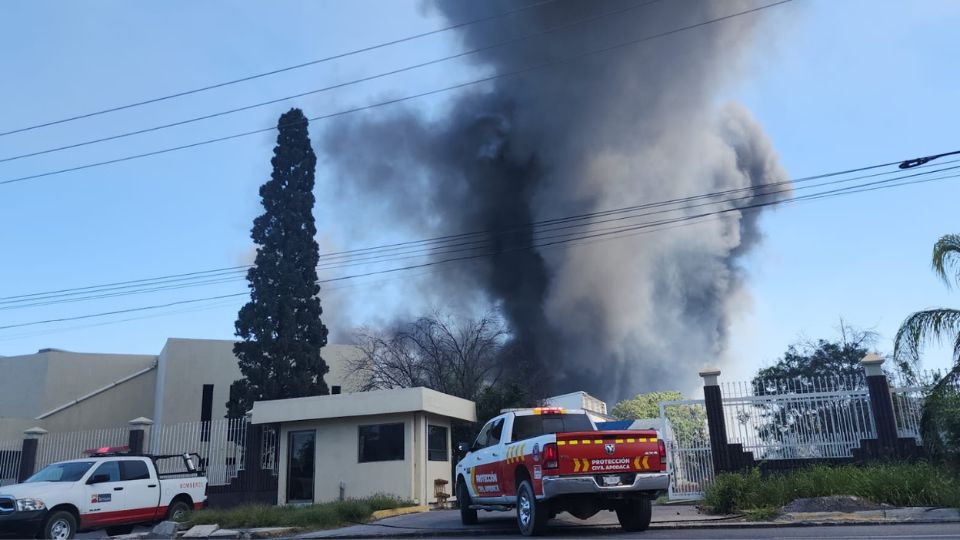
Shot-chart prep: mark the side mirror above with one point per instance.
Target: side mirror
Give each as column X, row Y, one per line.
column 462, row 448
column 99, row 479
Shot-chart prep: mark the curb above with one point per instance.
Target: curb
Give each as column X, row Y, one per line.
column 393, row 512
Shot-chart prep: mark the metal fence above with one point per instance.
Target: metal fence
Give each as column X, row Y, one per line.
column 689, row 459
column 270, row 450
column 9, row 461
column 802, row 418
column 54, row 447
column 220, row 444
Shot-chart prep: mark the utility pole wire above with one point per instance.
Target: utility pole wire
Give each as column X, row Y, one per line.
column 278, row 70
column 615, row 234
column 381, row 75
column 344, row 112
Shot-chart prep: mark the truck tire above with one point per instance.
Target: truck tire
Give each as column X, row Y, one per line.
column 178, row 511
column 60, row 525
column 634, row 515
column 467, row 515
column 531, row 515
column 117, row 530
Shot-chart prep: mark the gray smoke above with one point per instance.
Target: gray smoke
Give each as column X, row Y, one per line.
column 630, row 126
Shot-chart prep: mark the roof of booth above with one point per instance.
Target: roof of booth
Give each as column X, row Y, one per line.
column 364, row 404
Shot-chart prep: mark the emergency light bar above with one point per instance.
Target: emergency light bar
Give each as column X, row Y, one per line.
column 549, row 410
column 107, row 450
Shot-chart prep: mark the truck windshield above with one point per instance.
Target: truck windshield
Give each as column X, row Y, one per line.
column 61, row 472
column 534, row 425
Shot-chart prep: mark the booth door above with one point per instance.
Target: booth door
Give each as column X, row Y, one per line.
column 300, row 466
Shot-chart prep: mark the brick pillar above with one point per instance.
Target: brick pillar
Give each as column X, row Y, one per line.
column 713, row 402
column 28, row 452
column 881, row 403
column 138, row 432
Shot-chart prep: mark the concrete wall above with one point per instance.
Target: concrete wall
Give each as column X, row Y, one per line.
column 337, row 458
column 35, row 384
column 185, row 365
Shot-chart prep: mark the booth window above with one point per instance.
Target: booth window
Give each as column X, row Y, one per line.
column 437, row 443
column 381, row 442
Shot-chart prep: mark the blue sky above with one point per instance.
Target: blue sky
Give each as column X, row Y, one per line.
column 834, row 84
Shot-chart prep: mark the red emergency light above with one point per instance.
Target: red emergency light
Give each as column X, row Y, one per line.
column 107, row 450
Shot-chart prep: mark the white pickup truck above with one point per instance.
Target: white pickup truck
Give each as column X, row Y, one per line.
column 105, row 491
column 548, row 460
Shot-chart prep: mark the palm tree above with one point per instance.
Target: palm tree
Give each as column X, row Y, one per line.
column 940, row 422
column 939, row 324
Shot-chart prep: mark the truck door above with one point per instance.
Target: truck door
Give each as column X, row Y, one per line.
column 104, row 503
column 484, row 463
column 141, row 490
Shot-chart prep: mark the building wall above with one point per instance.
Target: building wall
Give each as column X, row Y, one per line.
column 185, row 365
column 35, row 384
column 337, row 458
column 113, row 408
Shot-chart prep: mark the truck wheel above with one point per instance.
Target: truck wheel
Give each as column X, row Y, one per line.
column 467, row 516
column 178, row 511
column 60, row 525
column 634, row 515
column 531, row 515
column 117, row 530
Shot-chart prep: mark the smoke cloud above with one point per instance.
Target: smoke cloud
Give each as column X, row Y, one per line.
column 631, row 126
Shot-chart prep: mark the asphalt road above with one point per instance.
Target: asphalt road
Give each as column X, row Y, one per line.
column 944, row 531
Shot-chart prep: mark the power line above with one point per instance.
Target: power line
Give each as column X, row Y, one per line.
column 344, row 112
column 650, row 227
column 337, row 86
column 432, row 246
column 279, row 70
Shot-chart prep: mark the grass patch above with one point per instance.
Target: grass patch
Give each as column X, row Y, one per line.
column 919, row 484
column 760, row 514
column 315, row 516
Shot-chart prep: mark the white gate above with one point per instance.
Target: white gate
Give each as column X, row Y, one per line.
column 689, row 458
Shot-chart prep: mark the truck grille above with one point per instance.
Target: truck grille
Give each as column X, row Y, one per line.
column 7, row 504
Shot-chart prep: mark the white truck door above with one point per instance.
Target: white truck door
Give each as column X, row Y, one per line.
column 484, row 463
column 104, row 503
column 141, row 489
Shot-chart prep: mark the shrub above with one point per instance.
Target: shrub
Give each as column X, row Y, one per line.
column 920, row 484
column 316, row 516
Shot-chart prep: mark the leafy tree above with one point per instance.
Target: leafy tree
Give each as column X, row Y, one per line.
column 809, row 365
column 940, row 425
column 689, row 423
column 280, row 330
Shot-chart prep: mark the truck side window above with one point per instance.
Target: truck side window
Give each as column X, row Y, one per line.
column 495, row 432
column 134, row 470
column 108, row 468
column 481, row 441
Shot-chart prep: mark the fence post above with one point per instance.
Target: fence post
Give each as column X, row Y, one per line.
column 138, row 428
column 28, row 452
column 881, row 402
column 713, row 402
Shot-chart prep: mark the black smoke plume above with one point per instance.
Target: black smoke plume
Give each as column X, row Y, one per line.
column 630, row 126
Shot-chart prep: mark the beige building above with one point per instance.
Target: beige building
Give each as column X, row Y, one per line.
column 188, row 381
column 355, row 445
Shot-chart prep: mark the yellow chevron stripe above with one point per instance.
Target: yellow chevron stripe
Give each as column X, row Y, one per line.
column 645, row 462
column 586, row 465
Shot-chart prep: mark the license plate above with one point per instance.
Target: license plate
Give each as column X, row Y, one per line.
column 612, row 480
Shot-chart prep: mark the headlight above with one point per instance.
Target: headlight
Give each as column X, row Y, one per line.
column 30, row 505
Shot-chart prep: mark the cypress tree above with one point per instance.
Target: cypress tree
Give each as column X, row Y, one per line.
column 280, row 332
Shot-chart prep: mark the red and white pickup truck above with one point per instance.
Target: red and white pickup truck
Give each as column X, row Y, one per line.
column 548, row 460
column 107, row 490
